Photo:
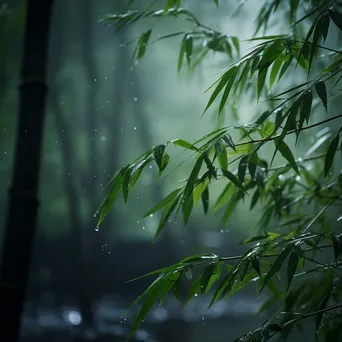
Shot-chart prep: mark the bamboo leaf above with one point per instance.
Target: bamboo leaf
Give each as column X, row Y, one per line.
column 194, row 175
column 296, row 253
column 233, row 179
column 242, row 168
column 166, row 214
column 166, row 201
column 330, row 155
column 322, row 93
column 223, row 81
column 205, row 199
column 228, row 88
column 336, row 17
column 187, row 206
column 287, row 154
column 276, row 265
column 158, row 152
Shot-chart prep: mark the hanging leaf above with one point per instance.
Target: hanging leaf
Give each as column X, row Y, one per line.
column 242, row 168
column 336, row 17
column 337, row 245
column 140, row 48
column 194, row 175
column 187, row 206
column 228, row 88
column 324, row 25
column 229, row 141
column 261, row 81
column 166, row 214
column 158, row 152
column 322, row 93
column 185, row 144
column 296, row 253
column 330, row 155
column 287, row 154
column 166, row 201
column 233, row 179
column 222, row 158
column 276, row 265
column 205, row 199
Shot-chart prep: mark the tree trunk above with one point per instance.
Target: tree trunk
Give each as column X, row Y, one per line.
column 23, row 194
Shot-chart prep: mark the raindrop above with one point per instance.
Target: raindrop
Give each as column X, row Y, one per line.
column 106, row 78
column 339, row 219
column 196, row 294
column 150, row 166
column 95, row 79
column 151, row 215
column 5, row 152
column 143, row 227
column 221, row 231
column 97, row 228
column 135, row 99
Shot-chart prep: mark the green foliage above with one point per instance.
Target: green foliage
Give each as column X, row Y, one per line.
column 294, row 234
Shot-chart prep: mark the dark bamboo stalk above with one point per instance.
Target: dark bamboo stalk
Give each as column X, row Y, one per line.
column 23, row 194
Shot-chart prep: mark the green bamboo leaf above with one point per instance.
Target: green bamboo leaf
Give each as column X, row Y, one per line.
column 158, row 152
column 275, row 70
column 229, row 209
column 242, row 168
column 228, row 88
column 181, row 56
column 194, row 290
column 165, row 161
column 261, row 81
column 322, row 93
column 255, row 198
column 187, row 206
column 206, row 276
column 185, row 144
column 255, row 262
column 336, row 17
column 138, row 169
column 324, row 25
column 314, row 44
column 276, row 265
column 285, row 151
column 112, row 195
column 140, row 48
column 224, row 196
column 243, row 77
column 188, row 47
column 125, row 184
column 337, row 245
column 233, row 179
column 222, row 157
column 166, row 214
column 166, row 201
column 229, row 141
column 194, row 175
column 330, row 155
column 236, row 44
column 284, row 67
column 296, row 253
column 145, row 309
column 223, row 81
column 305, row 110
column 176, row 288
column 244, row 268
column 205, row 199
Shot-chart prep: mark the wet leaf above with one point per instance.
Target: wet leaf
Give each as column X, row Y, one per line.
column 233, row 179
column 330, row 155
column 276, row 265
column 322, row 93
column 287, row 154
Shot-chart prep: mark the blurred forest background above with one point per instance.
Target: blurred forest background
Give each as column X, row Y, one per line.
column 102, row 112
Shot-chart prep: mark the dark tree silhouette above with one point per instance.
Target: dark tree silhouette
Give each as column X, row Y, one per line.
column 23, row 194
